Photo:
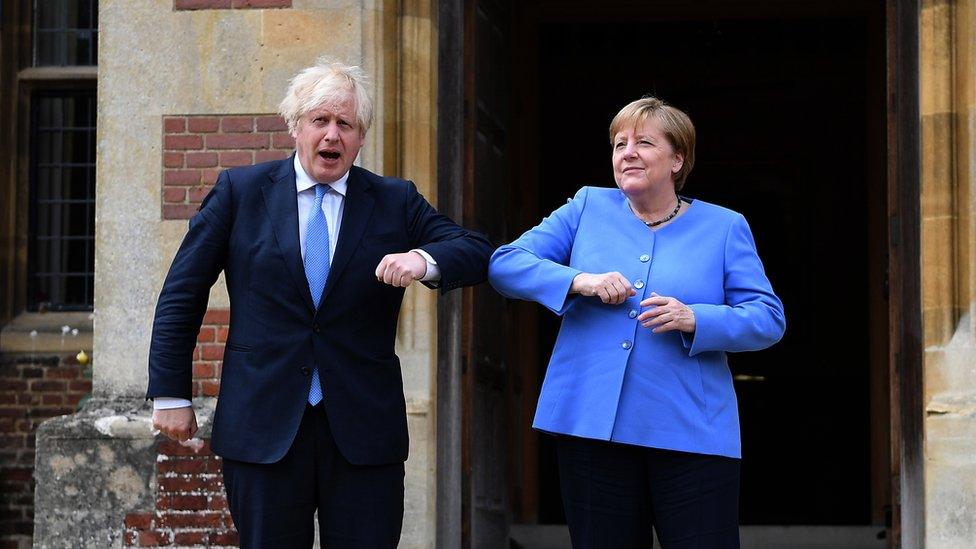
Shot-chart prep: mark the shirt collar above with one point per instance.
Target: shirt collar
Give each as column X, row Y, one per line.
column 303, row 181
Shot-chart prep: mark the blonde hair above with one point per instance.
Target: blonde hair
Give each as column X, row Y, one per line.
column 327, row 81
column 674, row 123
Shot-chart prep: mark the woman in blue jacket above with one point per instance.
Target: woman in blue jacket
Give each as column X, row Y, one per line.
column 654, row 289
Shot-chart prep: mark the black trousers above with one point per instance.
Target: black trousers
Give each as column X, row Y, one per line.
column 273, row 504
column 614, row 494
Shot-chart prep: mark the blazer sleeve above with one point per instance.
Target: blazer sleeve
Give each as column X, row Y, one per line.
column 536, row 267
column 185, row 293
column 461, row 255
column 752, row 316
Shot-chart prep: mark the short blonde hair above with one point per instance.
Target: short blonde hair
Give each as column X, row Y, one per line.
column 324, row 82
column 674, row 123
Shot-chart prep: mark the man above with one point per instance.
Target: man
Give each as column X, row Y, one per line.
column 316, row 254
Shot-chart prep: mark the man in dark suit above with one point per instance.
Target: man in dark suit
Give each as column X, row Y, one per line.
column 316, row 254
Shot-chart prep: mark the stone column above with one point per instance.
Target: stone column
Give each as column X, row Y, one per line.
column 172, row 75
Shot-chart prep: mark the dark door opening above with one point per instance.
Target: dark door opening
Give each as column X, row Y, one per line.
column 789, row 105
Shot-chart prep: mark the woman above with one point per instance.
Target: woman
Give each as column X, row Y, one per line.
column 654, row 289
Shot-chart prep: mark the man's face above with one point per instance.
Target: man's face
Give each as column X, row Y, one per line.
column 328, row 139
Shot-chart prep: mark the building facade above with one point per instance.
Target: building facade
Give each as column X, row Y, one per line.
column 843, row 130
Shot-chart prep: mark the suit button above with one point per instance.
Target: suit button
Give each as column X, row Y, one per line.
column 315, row 327
column 632, row 313
column 305, row 371
column 645, row 258
column 626, row 344
column 639, row 284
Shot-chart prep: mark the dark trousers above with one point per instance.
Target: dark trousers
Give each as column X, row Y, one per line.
column 615, row 493
column 273, row 504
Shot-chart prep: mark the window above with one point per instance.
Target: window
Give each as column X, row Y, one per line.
column 61, row 240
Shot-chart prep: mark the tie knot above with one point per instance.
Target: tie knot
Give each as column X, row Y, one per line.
column 320, row 190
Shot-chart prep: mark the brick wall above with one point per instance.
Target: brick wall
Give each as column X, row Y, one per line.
column 191, row 508
column 209, row 352
column 32, row 389
column 180, row 5
column 196, row 148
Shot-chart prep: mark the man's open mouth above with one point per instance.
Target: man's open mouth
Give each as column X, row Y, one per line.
column 329, row 155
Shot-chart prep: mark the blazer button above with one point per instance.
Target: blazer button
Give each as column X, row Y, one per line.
column 639, row 284
column 315, row 327
column 632, row 313
column 645, row 258
column 305, row 371
column 626, row 344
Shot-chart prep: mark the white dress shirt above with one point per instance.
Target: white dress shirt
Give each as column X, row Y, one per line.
column 333, row 203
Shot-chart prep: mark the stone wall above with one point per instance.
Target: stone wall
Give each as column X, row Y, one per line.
column 948, row 105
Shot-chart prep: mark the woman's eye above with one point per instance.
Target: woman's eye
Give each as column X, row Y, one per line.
column 619, row 145
column 645, row 142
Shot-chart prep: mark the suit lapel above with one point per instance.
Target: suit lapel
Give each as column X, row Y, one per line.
column 281, row 198
column 355, row 215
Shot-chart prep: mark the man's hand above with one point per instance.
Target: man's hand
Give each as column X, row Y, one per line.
column 176, row 423
column 611, row 288
column 400, row 270
column 667, row 314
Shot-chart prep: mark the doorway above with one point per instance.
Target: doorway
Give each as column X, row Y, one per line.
column 789, row 105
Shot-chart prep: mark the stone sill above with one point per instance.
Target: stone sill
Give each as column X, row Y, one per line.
column 16, row 335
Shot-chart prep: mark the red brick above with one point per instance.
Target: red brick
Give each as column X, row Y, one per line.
column 12, row 385
column 29, row 373
column 200, row 4
column 196, row 353
column 222, row 335
column 181, row 177
column 236, row 158
column 207, row 334
column 229, row 537
column 173, row 448
column 141, row 521
column 47, row 386
column 183, row 465
column 210, row 388
column 13, row 412
column 267, row 156
column 174, row 195
column 130, row 538
column 72, row 400
column 271, row 124
column 201, row 160
column 84, row 385
column 153, row 538
column 209, row 177
column 174, row 124
column 212, row 352
column 237, row 124
column 182, row 142
column 203, row 124
column 196, row 195
column 237, row 141
column 52, row 399
column 218, row 503
column 16, row 474
column 62, row 373
column 189, row 503
column 256, row 4
column 217, row 316
column 179, row 211
column 282, row 141
column 191, row 538
column 172, row 160
column 203, row 370
column 206, row 519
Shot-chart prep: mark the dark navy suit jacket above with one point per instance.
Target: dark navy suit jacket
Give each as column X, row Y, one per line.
column 247, row 227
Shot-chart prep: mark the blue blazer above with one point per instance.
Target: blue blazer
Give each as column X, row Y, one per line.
column 247, row 227
column 610, row 378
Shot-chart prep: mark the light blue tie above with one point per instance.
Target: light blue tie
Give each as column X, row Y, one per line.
column 317, row 270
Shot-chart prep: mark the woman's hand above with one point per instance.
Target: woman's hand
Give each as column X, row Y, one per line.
column 667, row 314
column 611, row 288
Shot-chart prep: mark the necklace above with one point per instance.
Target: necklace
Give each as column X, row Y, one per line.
column 668, row 218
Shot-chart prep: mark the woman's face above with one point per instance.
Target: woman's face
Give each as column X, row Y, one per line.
column 643, row 159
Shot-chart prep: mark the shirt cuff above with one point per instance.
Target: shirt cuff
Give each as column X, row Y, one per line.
column 433, row 272
column 168, row 403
